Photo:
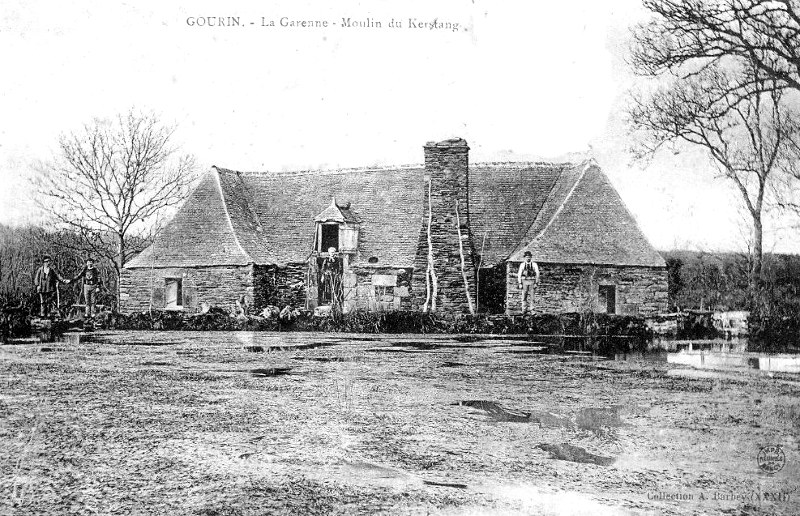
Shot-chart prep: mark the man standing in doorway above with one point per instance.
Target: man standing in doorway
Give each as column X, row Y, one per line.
column 527, row 279
column 331, row 278
column 46, row 280
column 91, row 286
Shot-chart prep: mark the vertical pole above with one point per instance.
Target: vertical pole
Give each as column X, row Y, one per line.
column 478, row 276
column 463, row 265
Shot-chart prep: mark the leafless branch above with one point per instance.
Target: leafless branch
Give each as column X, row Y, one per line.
column 112, row 179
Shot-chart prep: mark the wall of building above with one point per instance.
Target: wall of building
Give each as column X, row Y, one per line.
column 280, row 286
column 377, row 289
column 574, row 288
column 219, row 286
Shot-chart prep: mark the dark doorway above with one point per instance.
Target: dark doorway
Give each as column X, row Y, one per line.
column 492, row 289
column 607, row 298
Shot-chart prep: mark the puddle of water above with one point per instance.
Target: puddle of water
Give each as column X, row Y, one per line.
column 504, row 341
column 328, row 359
column 451, row 364
column 270, row 371
column 444, row 484
column 467, row 338
column 153, row 343
column 154, row 363
column 572, row 453
column 416, row 344
column 393, row 350
column 376, row 471
column 296, row 347
column 525, row 350
column 46, row 349
column 497, row 412
column 522, row 339
column 254, row 349
column 431, row 345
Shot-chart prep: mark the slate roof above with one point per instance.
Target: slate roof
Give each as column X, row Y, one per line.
column 336, row 212
column 584, row 220
column 504, row 199
column 199, row 234
column 234, row 218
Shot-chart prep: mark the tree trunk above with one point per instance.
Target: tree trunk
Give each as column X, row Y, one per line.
column 118, row 266
column 757, row 255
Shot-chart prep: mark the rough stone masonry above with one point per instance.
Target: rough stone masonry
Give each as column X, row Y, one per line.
column 445, row 239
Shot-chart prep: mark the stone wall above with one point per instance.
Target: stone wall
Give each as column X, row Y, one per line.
column 280, row 286
column 574, row 288
column 377, row 289
column 447, row 167
column 219, row 286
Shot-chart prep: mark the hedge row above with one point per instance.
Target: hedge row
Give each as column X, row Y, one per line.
column 600, row 332
column 776, row 333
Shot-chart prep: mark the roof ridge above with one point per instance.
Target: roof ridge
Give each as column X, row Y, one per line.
column 499, row 164
column 247, row 195
column 319, row 171
column 524, row 242
column 388, row 168
column 586, row 166
column 228, row 217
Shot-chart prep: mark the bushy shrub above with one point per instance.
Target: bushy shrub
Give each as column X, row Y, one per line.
column 774, row 321
column 14, row 322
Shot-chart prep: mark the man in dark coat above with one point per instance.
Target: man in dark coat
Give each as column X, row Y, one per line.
column 46, row 280
column 91, row 285
column 331, row 276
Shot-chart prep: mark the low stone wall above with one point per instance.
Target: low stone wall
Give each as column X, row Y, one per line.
column 141, row 289
column 377, row 289
column 574, row 288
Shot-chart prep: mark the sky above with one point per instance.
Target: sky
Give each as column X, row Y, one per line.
column 517, row 79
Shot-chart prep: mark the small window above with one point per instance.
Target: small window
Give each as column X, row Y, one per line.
column 330, row 237
column 607, row 299
column 173, row 292
column 384, row 293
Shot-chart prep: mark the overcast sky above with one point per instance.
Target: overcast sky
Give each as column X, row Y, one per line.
column 517, row 80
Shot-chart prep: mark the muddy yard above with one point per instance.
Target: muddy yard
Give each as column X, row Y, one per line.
column 242, row 423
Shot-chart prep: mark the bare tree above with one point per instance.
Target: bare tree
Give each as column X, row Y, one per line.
column 763, row 33
column 749, row 137
column 111, row 180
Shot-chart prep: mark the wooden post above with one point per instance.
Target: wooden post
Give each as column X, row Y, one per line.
column 463, row 264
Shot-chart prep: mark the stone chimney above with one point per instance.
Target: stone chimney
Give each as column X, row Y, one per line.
column 444, row 272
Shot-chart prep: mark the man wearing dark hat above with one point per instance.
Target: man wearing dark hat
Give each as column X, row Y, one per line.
column 46, row 280
column 527, row 279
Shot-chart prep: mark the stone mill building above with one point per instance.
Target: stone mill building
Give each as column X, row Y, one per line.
column 446, row 236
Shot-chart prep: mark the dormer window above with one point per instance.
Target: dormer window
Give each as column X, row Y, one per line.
column 337, row 228
column 330, row 237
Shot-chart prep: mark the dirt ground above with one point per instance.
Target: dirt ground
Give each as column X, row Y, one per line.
column 242, row 423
